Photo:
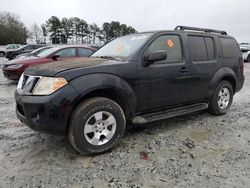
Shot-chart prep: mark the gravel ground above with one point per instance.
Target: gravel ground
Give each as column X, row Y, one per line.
column 198, row 150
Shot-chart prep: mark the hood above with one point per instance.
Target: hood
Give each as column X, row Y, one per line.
column 22, row 60
column 51, row 69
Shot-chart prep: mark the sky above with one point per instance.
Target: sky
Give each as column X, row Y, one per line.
column 232, row 16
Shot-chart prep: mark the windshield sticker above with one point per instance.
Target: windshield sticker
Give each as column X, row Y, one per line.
column 141, row 37
column 169, row 43
column 119, row 48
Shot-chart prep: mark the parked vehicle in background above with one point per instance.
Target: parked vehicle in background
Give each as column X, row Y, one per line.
column 245, row 50
column 11, row 54
column 34, row 52
column 14, row 68
column 8, row 47
column 138, row 78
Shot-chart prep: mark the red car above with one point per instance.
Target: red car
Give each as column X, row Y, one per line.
column 13, row 69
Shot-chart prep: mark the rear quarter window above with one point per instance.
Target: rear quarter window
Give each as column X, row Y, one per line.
column 230, row 48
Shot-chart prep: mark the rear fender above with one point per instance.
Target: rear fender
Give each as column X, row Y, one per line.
column 218, row 76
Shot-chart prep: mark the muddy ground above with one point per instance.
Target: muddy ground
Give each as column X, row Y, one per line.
column 198, row 150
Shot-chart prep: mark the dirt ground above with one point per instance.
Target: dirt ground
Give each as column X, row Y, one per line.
column 198, row 150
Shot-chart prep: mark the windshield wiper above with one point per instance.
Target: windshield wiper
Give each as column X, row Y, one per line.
column 107, row 57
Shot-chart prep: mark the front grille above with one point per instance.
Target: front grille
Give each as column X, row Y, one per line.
column 25, row 77
column 28, row 83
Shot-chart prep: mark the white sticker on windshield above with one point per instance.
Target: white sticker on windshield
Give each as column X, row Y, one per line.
column 139, row 37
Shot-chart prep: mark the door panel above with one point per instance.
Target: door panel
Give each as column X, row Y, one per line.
column 205, row 62
column 165, row 83
column 169, row 85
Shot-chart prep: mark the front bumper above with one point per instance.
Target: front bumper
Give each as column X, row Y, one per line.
column 48, row 114
column 12, row 74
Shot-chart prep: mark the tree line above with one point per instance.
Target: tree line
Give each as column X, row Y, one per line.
column 12, row 30
column 79, row 31
column 60, row 31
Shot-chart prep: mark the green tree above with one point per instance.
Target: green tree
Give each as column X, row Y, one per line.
column 44, row 31
column 53, row 25
column 82, row 32
column 12, row 30
column 114, row 29
column 67, row 29
column 94, row 32
column 106, row 32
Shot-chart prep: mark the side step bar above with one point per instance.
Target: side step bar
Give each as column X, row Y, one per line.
column 155, row 116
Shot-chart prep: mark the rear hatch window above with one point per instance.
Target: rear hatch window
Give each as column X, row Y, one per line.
column 230, row 48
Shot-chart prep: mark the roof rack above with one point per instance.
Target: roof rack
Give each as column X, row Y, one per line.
column 180, row 27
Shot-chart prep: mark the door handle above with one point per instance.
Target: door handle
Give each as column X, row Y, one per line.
column 184, row 69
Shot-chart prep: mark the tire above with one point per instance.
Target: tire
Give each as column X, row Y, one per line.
column 2, row 54
column 90, row 131
column 222, row 98
column 248, row 59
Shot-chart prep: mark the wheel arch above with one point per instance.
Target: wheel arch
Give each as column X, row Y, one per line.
column 226, row 74
column 105, row 85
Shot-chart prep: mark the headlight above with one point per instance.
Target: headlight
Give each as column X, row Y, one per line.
column 48, row 85
column 14, row 66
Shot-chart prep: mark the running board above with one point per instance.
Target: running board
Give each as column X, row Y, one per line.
column 155, row 116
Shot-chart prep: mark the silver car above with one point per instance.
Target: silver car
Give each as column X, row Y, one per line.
column 245, row 50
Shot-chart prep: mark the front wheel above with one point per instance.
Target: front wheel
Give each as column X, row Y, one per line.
column 222, row 98
column 2, row 54
column 96, row 126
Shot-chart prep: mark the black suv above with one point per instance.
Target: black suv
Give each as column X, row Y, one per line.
column 134, row 79
column 11, row 54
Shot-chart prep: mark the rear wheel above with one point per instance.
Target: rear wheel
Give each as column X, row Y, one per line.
column 96, row 126
column 2, row 54
column 222, row 98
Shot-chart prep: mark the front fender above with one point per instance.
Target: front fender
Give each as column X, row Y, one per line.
column 93, row 82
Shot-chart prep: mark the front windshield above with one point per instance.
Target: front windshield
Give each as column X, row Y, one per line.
column 40, row 50
column 122, row 47
column 48, row 52
column 22, row 47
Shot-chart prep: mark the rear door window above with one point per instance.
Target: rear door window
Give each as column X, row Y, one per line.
column 210, row 47
column 202, row 48
column 84, row 52
column 230, row 48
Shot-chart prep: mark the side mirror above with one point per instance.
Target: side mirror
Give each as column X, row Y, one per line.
column 54, row 57
column 152, row 57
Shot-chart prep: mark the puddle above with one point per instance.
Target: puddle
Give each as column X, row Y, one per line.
column 199, row 135
column 196, row 134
